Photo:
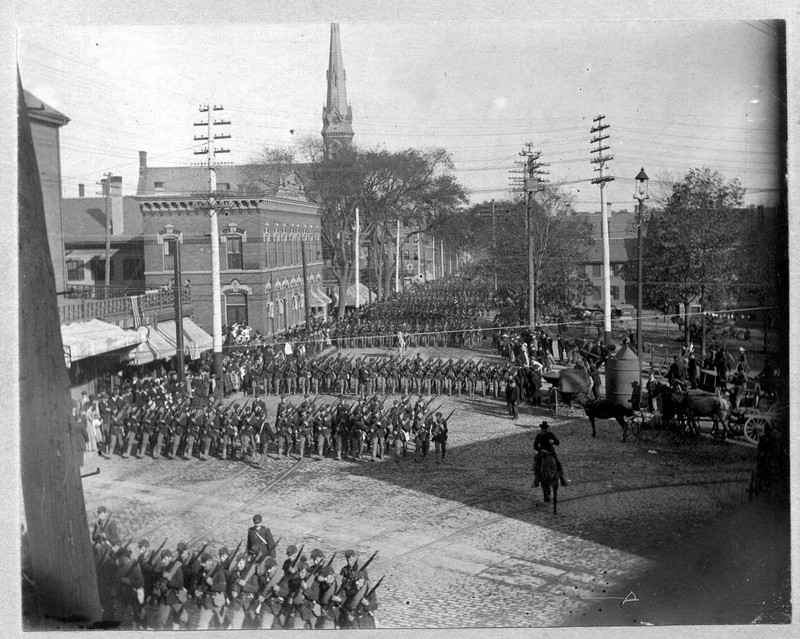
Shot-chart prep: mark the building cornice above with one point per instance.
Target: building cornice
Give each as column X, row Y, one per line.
column 181, row 205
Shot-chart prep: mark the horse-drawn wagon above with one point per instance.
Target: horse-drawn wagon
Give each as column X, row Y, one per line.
column 567, row 382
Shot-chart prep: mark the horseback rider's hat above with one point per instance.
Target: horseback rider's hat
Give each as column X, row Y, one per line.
column 544, row 425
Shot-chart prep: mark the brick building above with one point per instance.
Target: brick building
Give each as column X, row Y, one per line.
column 261, row 238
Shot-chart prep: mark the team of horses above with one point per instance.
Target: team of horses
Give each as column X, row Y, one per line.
column 680, row 409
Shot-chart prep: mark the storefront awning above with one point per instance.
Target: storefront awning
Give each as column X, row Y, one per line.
column 364, row 295
column 195, row 339
column 200, row 340
column 95, row 337
column 154, row 347
column 318, row 299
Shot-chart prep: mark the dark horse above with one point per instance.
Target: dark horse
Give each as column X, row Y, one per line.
column 684, row 407
column 605, row 409
column 548, row 478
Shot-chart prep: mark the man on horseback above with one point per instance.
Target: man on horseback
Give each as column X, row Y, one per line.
column 543, row 444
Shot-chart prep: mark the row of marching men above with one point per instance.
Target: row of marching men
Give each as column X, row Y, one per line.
column 166, row 589
column 243, row 431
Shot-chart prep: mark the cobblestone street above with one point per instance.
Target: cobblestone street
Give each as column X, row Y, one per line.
column 468, row 543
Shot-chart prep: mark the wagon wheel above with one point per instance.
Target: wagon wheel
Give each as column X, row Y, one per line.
column 643, row 427
column 753, row 428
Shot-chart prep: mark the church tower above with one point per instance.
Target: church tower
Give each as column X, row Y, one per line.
column 337, row 116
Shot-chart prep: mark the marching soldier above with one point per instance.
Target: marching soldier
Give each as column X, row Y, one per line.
column 210, row 590
column 170, row 593
column 242, row 589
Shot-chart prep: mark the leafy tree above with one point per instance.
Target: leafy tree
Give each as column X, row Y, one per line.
column 690, row 253
column 412, row 185
column 560, row 243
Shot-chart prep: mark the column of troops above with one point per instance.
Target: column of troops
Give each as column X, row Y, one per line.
column 366, row 375
column 163, row 419
column 442, row 313
column 167, row 589
column 243, row 431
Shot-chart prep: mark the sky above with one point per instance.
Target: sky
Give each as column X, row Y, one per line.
column 677, row 94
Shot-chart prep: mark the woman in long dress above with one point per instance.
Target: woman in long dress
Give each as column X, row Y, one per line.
column 93, row 422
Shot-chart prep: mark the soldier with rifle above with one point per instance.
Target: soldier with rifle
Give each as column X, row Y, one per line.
column 341, row 432
column 146, row 423
column 128, row 587
column 211, row 430
column 328, row 599
column 263, row 433
column 131, row 430
column 194, row 424
column 360, row 603
column 117, row 432
column 170, row 593
column 242, row 588
column 210, row 589
column 422, row 435
column 305, row 434
column 324, row 430
column 190, row 563
column 180, row 419
column 162, row 429
column 291, row 613
column 284, row 430
column 228, row 424
column 247, row 434
column 267, row 604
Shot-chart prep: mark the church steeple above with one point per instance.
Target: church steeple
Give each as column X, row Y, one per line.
column 337, row 116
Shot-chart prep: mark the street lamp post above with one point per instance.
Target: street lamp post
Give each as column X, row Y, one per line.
column 641, row 195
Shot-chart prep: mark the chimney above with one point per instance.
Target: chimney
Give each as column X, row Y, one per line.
column 81, row 190
column 115, row 191
column 115, row 186
column 142, row 161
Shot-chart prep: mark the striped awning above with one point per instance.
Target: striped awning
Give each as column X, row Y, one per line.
column 318, row 299
column 195, row 339
column 161, row 342
column 155, row 347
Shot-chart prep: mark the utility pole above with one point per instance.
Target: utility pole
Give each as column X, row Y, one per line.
column 419, row 253
column 641, row 195
column 106, row 182
column 216, row 290
column 494, row 245
column 533, row 184
column 178, row 290
column 397, row 259
column 358, row 260
column 305, row 286
column 601, row 160
column 433, row 258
